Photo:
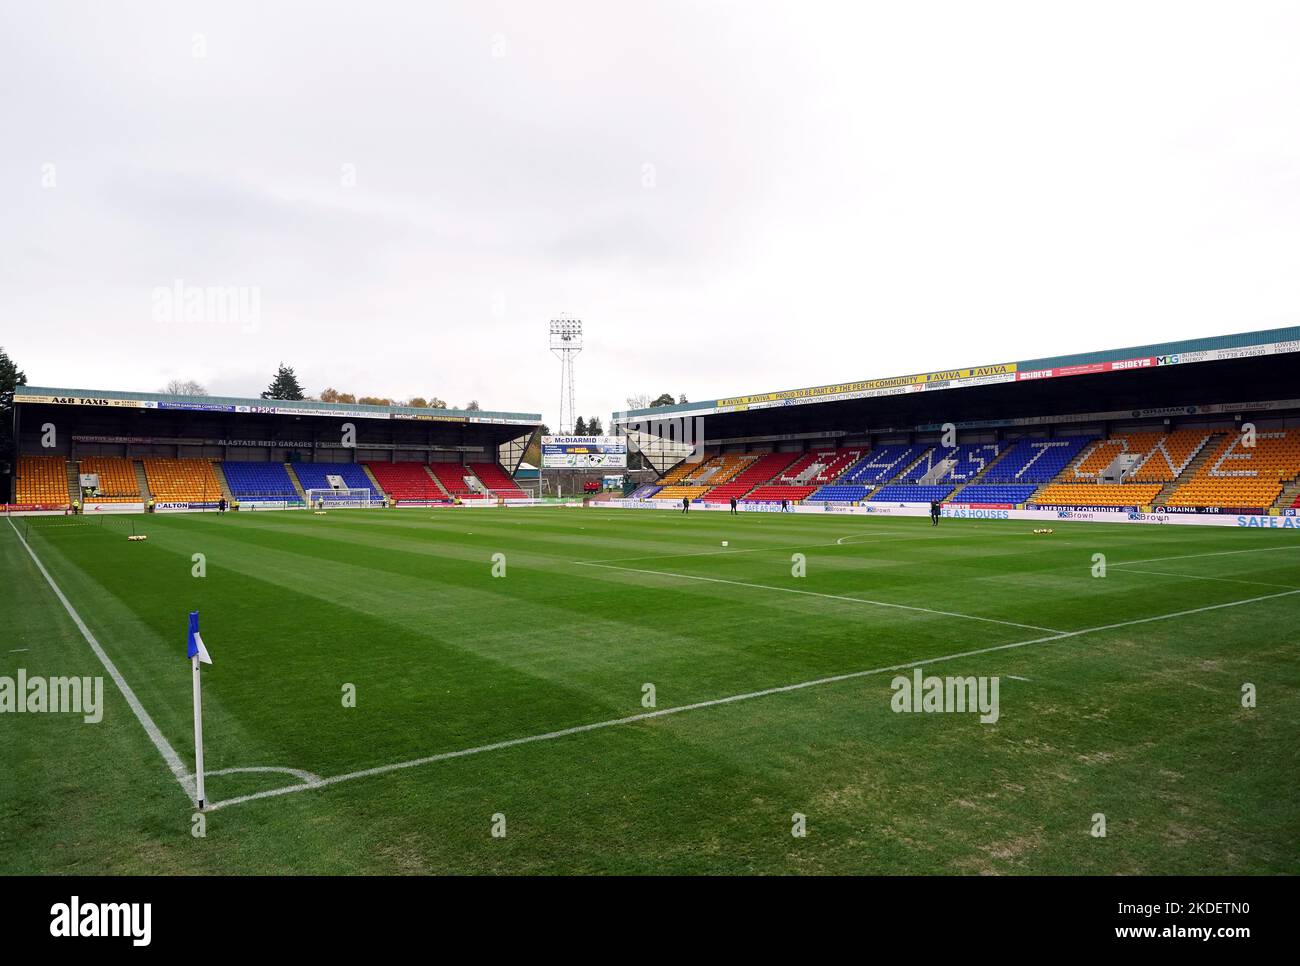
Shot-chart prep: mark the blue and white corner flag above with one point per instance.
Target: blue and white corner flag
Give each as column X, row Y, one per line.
column 196, row 647
column 198, row 654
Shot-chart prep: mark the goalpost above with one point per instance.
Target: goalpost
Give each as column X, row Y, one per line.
column 342, row 498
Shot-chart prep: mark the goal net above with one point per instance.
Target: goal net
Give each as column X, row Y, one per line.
column 339, row 498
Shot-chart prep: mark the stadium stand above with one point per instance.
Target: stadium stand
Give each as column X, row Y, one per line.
column 881, row 464
column 776, row 492
column 679, row 490
column 1236, row 475
column 820, row 466
column 117, row 481
column 761, row 470
column 643, row 492
column 969, row 460
column 259, row 481
column 452, row 477
column 496, row 479
column 840, row 493
column 408, row 482
column 181, row 480
column 1097, row 494
column 314, row 476
column 1170, row 456
column 42, row 480
column 1013, row 493
column 679, row 472
column 1036, row 460
column 911, row 493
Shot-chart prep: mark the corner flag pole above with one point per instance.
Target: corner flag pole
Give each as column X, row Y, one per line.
column 197, row 654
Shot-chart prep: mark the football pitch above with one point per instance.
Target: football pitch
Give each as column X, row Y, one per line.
column 562, row 690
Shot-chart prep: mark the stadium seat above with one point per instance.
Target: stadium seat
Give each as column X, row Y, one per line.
column 314, row 476
column 1237, row 475
column 452, row 477
column 820, row 466
column 1097, row 494
column 911, row 493
column 680, row 490
column 840, row 493
column 882, row 464
column 757, row 471
column 42, row 480
column 777, row 492
column 407, row 482
column 496, row 479
column 259, row 481
column 181, row 480
column 117, row 481
column 1036, row 460
column 1013, row 493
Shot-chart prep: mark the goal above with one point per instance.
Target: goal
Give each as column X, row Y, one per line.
column 340, row 498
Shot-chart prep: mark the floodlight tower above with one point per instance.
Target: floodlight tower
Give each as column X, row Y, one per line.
column 566, row 343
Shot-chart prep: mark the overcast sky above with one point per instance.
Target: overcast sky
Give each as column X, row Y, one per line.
column 733, row 197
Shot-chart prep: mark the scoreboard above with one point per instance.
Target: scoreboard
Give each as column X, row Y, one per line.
column 583, row 452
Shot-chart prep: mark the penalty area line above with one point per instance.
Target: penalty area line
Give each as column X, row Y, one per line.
column 716, row 702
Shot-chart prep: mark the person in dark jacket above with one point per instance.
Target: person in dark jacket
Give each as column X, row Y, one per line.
column 935, row 506
column 686, row 504
column 733, row 504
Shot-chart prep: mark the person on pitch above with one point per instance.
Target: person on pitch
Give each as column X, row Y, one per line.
column 686, row 504
column 733, row 504
column 935, row 506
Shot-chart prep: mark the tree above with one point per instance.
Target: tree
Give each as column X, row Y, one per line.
column 374, row 401
column 284, row 385
column 472, row 406
column 185, row 387
column 436, row 403
column 334, row 396
column 418, row 402
column 665, row 400
column 579, row 428
column 11, row 377
column 594, row 427
column 681, row 399
column 639, row 401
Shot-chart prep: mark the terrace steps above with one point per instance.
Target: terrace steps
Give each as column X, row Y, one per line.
column 1208, row 449
column 436, row 482
column 297, row 484
column 378, row 490
column 142, row 481
column 223, row 482
column 74, row 483
column 1289, row 495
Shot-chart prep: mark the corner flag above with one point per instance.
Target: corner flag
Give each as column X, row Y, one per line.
column 197, row 654
column 196, row 648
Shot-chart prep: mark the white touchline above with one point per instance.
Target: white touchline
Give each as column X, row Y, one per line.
column 664, row 712
column 173, row 760
column 1226, row 580
column 1016, row 677
column 1191, row 556
column 813, row 593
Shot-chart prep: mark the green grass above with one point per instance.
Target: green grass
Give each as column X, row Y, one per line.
column 1143, row 722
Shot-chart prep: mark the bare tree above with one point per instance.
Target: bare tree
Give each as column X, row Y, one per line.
column 640, row 401
column 185, row 387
